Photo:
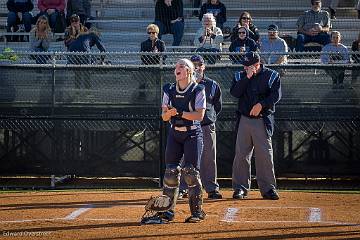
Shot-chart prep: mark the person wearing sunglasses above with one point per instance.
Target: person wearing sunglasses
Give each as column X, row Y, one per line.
column 313, row 26
column 273, row 47
column 257, row 89
column 217, row 8
column 152, row 44
column 242, row 44
column 245, row 20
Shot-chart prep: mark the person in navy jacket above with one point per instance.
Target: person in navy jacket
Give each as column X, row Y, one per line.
column 258, row 89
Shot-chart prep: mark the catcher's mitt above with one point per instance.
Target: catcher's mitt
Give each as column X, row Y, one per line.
column 160, row 203
column 155, row 209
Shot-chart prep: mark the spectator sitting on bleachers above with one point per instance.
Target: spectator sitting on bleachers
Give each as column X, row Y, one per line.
column 209, row 38
column 245, row 20
column 40, row 38
column 242, row 44
column 169, row 17
column 335, row 53
column 79, row 39
column 356, row 58
column 19, row 12
column 217, row 8
column 313, row 26
column 271, row 45
column 81, row 8
column 152, row 44
column 54, row 11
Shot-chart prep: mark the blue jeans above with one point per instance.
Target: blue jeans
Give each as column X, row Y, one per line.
column 12, row 21
column 52, row 18
column 302, row 39
column 176, row 29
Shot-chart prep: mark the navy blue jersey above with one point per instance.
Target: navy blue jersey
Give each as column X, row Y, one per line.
column 213, row 100
column 186, row 100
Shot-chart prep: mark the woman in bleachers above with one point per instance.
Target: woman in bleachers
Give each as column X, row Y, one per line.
column 209, row 38
column 245, row 20
column 152, row 44
column 53, row 10
column 40, row 38
column 242, row 44
column 19, row 12
column 169, row 17
column 217, row 8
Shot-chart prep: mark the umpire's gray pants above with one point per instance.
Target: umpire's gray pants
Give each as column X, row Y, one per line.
column 208, row 169
column 252, row 136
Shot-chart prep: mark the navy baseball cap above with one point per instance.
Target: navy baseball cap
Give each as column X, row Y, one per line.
column 250, row 58
column 273, row 27
column 197, row 58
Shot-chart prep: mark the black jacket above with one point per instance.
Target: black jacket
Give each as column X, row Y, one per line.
column 165, row 14
column 210, row 8
column 263, row 88
column 147, row 46
column 19, row 7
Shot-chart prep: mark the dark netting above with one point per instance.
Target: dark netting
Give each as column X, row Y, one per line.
column 104, row 120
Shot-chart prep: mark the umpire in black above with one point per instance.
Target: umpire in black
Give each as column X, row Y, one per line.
column 258, row 89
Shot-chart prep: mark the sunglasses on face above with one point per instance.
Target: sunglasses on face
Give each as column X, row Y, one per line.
column 272, row 32
column 245, row 18
column 242, row 32
column 151, row 32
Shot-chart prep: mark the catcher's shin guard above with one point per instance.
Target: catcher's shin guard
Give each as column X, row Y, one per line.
column 192, row 178
column 171, row 183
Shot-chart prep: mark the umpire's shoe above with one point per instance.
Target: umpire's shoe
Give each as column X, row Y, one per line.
column 239, row 194
column 197, row 217
column 214, row 195
column 271, row 195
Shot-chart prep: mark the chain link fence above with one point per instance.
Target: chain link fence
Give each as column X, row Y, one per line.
column 101, row 117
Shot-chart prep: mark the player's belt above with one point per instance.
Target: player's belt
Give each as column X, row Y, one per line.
column 185, row 128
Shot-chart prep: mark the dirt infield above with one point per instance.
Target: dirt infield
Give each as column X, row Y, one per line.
column 115, row 215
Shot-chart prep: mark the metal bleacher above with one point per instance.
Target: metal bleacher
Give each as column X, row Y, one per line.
column 123, row 22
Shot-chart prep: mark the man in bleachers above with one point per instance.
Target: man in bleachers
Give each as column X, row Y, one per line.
column 19, row 12
column 272, row 46
column 313, row 26
column 336, row 53
column 169, row 18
